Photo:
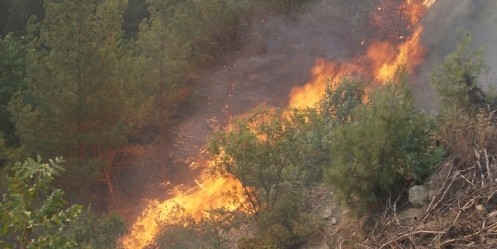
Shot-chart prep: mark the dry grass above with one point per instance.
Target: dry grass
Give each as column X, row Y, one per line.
column 462, row 212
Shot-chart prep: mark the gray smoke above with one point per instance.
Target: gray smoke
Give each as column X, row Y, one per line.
column 279, row 52
column 444, row 23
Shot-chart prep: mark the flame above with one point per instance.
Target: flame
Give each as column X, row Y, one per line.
column 387, row 59
column 207, row 195
column 429, row 3
column 323, row 72
column 381, row 62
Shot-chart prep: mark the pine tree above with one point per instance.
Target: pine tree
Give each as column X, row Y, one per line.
column 81, row 92
column 383, row 149
column 165, row 57
column 457, row 79
column 12, row 74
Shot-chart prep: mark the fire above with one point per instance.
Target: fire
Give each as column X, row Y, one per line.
column 381, row 62
column 386, row 59
column 206, row 196
column 323, row 72
column 429, row 3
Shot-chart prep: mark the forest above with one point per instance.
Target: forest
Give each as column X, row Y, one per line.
column 186, row 124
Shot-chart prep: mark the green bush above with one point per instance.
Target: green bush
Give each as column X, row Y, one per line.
column 33, row 213
column 272, row 153
column 385, row 148
column 90, row 231
column 457, row 80
column 183, row 231
column 286, row 225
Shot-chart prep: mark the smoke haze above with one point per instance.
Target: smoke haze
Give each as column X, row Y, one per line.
column 279, row 52
column 443, row 24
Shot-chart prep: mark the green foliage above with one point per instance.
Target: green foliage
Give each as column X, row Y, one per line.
column 92, row 232
column 340, row 99
column 194, row 31
column 272, row 153
column 207, row 233
column 457, row 79
column 286, row 7
column 82, row 93
column 12, row 74
column 276, row 156
column 76, row 66
column 32, row 212
column 383, row 149
column 3, row 151
column 286, row 225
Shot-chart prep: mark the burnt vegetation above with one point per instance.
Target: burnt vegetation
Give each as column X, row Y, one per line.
column 105, row 83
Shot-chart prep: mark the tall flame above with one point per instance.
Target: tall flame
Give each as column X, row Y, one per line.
column 380, row 63
column 386, row 59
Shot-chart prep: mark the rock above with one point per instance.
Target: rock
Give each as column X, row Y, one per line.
column 333, row 220
column 492, row 214
column 418, row 195
column 480, row 208
column 326, row 214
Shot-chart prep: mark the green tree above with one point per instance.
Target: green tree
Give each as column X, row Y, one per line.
column 96, row 232
column 272, row 153
column 340, row 99
column 165, row 57
column 286, row 7
column 207, row 233
column 457, row 79
column 81, row 89
column 177, row 37
column 256, row 152
column 32, row 212
column 12, row 74
column 216, row 24
column 386, row 147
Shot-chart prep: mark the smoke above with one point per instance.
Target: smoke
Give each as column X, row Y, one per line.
column 443, row 24
column 279, row 52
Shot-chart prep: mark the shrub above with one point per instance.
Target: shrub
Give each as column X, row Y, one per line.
column 271, row 153
column 384, row 149
column 286, row 225
column 457, row 79
column 90, row 231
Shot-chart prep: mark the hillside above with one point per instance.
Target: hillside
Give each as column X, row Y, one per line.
column 259, row 124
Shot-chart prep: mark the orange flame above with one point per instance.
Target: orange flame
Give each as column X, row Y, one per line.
column 383, row 60
column 387, row 59
column 206, row 196
column 380, row 63
column 323, row 72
